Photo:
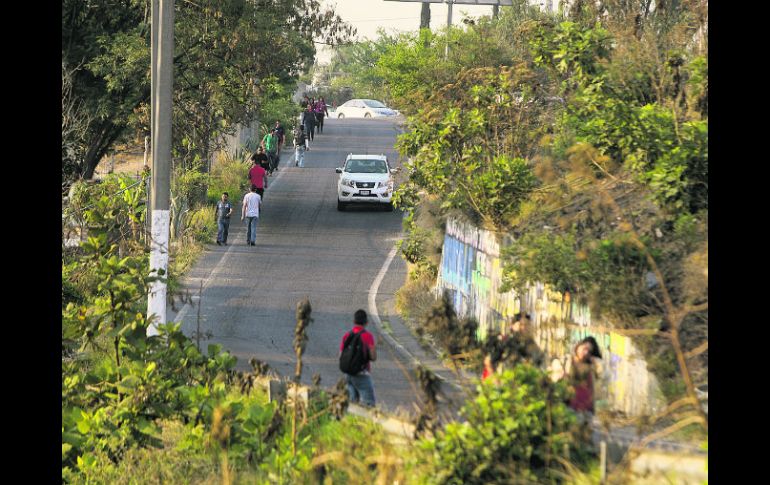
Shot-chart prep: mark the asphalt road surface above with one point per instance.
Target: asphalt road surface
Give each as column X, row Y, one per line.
column 305, row 247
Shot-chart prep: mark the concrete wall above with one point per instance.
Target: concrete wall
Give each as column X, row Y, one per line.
column 242, row 134
column 471, row 270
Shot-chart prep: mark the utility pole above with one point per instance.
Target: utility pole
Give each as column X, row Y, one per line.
column 162, row 71
column 425, row 21
column 448, row 26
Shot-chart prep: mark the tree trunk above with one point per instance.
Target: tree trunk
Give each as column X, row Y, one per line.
column 425, row 16
column 102, row 140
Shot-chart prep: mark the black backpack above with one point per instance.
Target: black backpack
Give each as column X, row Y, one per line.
column 353, row 358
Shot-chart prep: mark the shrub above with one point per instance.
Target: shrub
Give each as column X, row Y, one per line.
column 514, row 431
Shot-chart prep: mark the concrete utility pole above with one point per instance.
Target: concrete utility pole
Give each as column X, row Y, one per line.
column 448, row 26
column 162, row 71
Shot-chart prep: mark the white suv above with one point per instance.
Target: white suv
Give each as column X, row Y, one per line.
column 367, row 179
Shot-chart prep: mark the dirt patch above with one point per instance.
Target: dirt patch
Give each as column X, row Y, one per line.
column 125, row 160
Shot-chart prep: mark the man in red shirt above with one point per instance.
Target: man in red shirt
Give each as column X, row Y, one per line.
column 258, row 177
column 360, row 386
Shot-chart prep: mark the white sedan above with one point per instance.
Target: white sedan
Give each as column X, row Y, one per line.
column 365, row 179
column 363, row 108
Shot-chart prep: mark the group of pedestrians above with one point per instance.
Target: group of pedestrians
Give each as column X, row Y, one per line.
column 515, row 345
column 262, row 166
column 252, row 203
column 311, row 121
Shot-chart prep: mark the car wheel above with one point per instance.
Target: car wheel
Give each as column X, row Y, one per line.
column 341, row 115
column 367, row 115
column 389, row 207
column 340, row 205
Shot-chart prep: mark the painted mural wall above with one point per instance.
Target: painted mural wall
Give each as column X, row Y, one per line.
column 471, row 270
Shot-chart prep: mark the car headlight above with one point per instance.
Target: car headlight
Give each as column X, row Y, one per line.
column 348, row 182
column 388, row 183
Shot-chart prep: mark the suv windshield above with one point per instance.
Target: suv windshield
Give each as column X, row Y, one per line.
column 374, row 104
column 366, row 166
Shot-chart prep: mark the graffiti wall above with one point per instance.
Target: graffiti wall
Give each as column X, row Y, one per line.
column 471, row 271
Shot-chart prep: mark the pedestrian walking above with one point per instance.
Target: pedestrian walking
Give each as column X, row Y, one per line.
column 515, row 345
column 258, row 177
column 223, row 212
column 520, row 342
column 261, row 158
column 319, row 108
column 357, row 351
column 300, row 143
column 250, row 210
column 308, row 121
column 270, row 145
column 318, row 115
column 278, row 128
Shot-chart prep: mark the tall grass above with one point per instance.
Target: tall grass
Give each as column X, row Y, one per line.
column 228, row 175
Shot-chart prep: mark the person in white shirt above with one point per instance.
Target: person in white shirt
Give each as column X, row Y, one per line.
column 250, row 210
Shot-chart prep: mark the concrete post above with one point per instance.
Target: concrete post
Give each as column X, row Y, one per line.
column 161, row 159
column 448, row 26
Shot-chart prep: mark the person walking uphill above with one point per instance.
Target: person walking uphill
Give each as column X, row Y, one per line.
column 223, row 213
column 357, row 351
column 320, row 109
column 250, row 210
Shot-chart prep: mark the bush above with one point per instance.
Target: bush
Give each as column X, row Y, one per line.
column 200, row 224
column 514, row 431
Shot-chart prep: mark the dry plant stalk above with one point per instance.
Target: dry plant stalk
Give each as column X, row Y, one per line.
column 300, row 341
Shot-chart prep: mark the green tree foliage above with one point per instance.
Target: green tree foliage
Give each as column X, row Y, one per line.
column 353, row 72
column 105, row 101
column 469, row 152
column 221, row 67
column 584, row 136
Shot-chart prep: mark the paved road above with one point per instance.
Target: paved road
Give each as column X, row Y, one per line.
column 305, row 247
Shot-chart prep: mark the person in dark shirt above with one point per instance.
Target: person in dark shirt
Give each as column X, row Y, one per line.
column 223, row 212
column 308, row 120
column 261, row 158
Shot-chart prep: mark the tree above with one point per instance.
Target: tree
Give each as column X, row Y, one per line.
column 88, row 26
column 220, row 65
column 425, row 16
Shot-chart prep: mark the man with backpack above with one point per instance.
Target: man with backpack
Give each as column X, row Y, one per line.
column 357, row 351
column 300, row 143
